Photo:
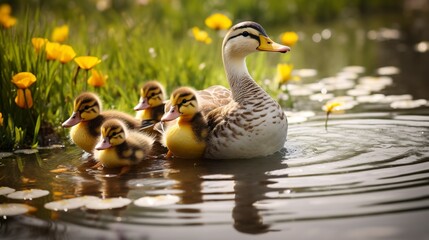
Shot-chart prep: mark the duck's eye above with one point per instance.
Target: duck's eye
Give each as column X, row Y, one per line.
column 184, row 101
column 245, row 34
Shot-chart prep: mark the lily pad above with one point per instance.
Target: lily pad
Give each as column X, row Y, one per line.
column 389, row 70
column 12, row 209
column 28, row 194
column 408, row 104
column 157, row 201
column 107, row 203
column 68, row 204
column 6, row 190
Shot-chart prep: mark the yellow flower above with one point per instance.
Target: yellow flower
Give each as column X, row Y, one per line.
column 284, row 74
column 7, row 21
column 52, row 50
column 218, row 21
column 330, row 107
column 39, row 43
column 289, row 38
column 23, row 79
column 60, row 34
column 1, row 119
column 87, row 62
column 66, row 53
column 97, row 79
column 5, row 9
column 201, row 36
column 23, row 98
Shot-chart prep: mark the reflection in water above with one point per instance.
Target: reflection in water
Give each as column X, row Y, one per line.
column 250, row 186
column 365, row 165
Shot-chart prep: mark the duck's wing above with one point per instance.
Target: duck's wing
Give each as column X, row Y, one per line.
column 214, row 97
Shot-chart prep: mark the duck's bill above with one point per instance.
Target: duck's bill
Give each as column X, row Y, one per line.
column 142, row 105
column 172, row 114
column 73, row 120
column 266, row 44
column 103, row 144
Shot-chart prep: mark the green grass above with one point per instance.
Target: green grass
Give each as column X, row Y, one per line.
column 137, row 43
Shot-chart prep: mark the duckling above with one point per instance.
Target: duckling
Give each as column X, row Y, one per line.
column 185, row 138
column 251, row 124
column 120, row 146
column 151, row 106
column 86, row 120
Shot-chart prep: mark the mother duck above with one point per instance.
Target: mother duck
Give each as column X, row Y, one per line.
column 251, row 124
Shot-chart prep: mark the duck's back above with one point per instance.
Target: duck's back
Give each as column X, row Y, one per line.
column 254, row 129
column 129, row 120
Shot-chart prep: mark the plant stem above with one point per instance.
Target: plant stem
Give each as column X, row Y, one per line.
column 326, row 121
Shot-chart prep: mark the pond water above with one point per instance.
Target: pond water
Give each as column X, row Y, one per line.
column 364, row 177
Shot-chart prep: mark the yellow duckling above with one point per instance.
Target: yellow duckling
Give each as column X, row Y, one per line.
column 185, row 138
column 87, row 118
column 121, row 147
column 151, row 105
column 251, row 124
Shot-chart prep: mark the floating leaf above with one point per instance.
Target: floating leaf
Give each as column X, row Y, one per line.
column 389, row 70
column 68, row 204
column 156, row 201
column 28, row 194
column 408, row 104
column 6, row 190
column 12, row 209
column 107, row 203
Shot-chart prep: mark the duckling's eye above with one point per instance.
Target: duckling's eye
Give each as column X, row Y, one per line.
column 245, row 34
column 184, row 101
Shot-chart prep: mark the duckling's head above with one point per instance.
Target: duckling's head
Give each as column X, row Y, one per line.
column 113, row 133
column 152, row 94
column 247, row 37
column 183, row 104
column 87, row 106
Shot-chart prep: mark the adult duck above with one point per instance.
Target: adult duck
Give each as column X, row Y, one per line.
column 251, row 124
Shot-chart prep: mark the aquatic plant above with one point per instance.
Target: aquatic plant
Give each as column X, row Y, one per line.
column 330, row 107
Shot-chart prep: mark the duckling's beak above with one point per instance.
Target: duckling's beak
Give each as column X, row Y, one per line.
column 103, row 144
column 266, row 44
column 171, row 115
column 73, row 120
column 143, row 104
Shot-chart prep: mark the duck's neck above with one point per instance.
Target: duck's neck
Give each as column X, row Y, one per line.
column 242, row 84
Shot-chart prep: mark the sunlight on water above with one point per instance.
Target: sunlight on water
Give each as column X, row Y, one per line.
column 364, row 165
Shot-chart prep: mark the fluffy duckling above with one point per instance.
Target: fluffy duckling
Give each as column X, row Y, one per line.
column 121, row 147
column 86, row 120
column 185, row 138
column 251, row 124
column 151, row 105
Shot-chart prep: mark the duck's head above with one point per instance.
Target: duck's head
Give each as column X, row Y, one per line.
column 183, row 104
column 151, row 95
column 247, row 37
column 113, row 133
column 87, row 106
